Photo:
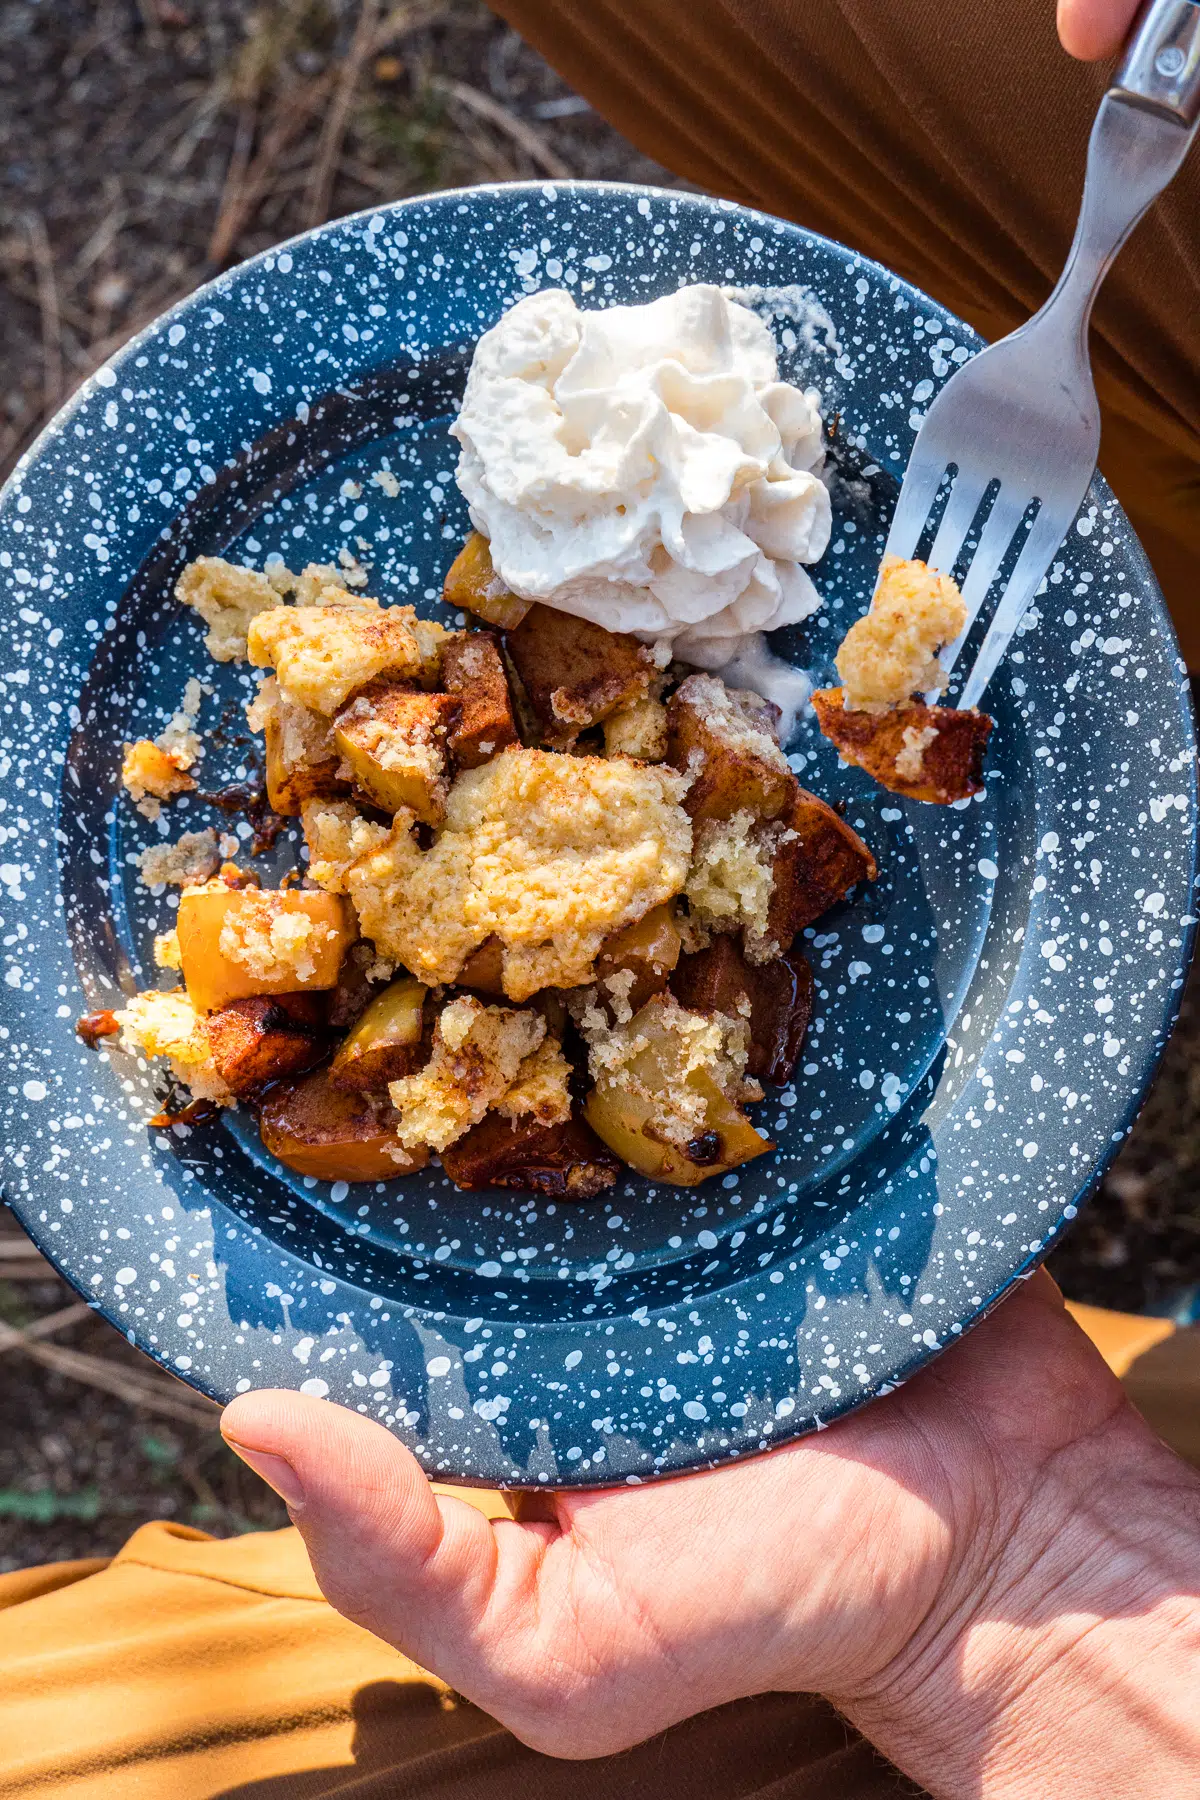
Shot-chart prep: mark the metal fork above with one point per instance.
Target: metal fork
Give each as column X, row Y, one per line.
column 1024, row 411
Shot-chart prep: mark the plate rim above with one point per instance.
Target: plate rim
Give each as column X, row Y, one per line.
column 1154, row 1042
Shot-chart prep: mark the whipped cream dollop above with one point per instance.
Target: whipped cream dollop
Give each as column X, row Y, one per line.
column 645, row 467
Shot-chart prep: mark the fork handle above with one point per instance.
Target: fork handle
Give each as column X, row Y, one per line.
column 1143, row 130
column 1161, row 64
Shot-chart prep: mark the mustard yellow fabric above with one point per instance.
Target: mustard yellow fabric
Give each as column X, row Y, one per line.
column 190, row 1668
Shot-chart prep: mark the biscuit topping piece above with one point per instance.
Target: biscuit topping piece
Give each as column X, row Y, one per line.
column 890, row 654
column 323, row 654
column 477, row 1053
column 550, row 854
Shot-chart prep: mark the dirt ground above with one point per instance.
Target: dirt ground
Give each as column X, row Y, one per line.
column 144, row 145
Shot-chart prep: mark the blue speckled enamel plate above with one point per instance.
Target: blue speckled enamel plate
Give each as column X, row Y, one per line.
column 988, row 1013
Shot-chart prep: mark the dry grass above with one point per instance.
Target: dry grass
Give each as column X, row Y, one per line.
column 143, row 147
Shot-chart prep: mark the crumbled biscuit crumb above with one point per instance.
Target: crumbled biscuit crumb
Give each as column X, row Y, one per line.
column 322, row 654
column 638, row 730
column 192, row 858
column 910, row 762
column 541, row 1090
column 227, row 598
column 731, row 878
column 150, row 775
column 477, row 1054
column 337, row 834
column 353, row 573
column 891, row 652
column 383, row 478
column 167, row 954
column 155, row 1024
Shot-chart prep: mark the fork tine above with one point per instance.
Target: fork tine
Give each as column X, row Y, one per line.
column 994, row 540
column 912, row 509
column 963, row 504
column 1034, row 560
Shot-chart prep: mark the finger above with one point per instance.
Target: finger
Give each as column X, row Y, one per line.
column 1094, row 29
column 427, row 1573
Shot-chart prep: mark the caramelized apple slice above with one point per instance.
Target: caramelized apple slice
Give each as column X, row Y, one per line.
column 236, row 942
column 665, row 1109
column 483, row 971
column 565, row 1162
column 575, row 673
column 647, row 951
column 386, row 1042
column 776, row 997
column 725, row 740
column 473, row 671
column 816, row 862
column 473, row 584
column 301, row 760
column 265, row 1038
column 394, row 741
column 932, row 753
column 318, row 1129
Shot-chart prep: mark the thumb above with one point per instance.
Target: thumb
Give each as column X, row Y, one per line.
column 420, row 1570
column 1094, row 29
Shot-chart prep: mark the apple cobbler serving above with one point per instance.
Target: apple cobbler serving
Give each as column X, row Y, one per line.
column 546, row 920
column 556, row 863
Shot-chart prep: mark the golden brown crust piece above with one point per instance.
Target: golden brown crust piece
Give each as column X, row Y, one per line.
column 575, row 673
column 473, row 671
column 932, row 753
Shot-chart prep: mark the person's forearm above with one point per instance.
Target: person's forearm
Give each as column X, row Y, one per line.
column 1074, row 1669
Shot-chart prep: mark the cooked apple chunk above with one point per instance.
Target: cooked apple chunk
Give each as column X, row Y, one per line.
column 635, row 963
column 238, row 942
column 484, row 969
column 386, row 1041
column 473, row 671
column 932, row 753
column 816, row 859
column 473, row 584
column 394, row 743
column 323, row 654
column 150, row 774
column 670, row 1084
column 477, row 1053
column 724, row 739
column 263, row 1039
column 575, row 673
column 775, row 998
column 566, row 1161
column 321, row 1130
